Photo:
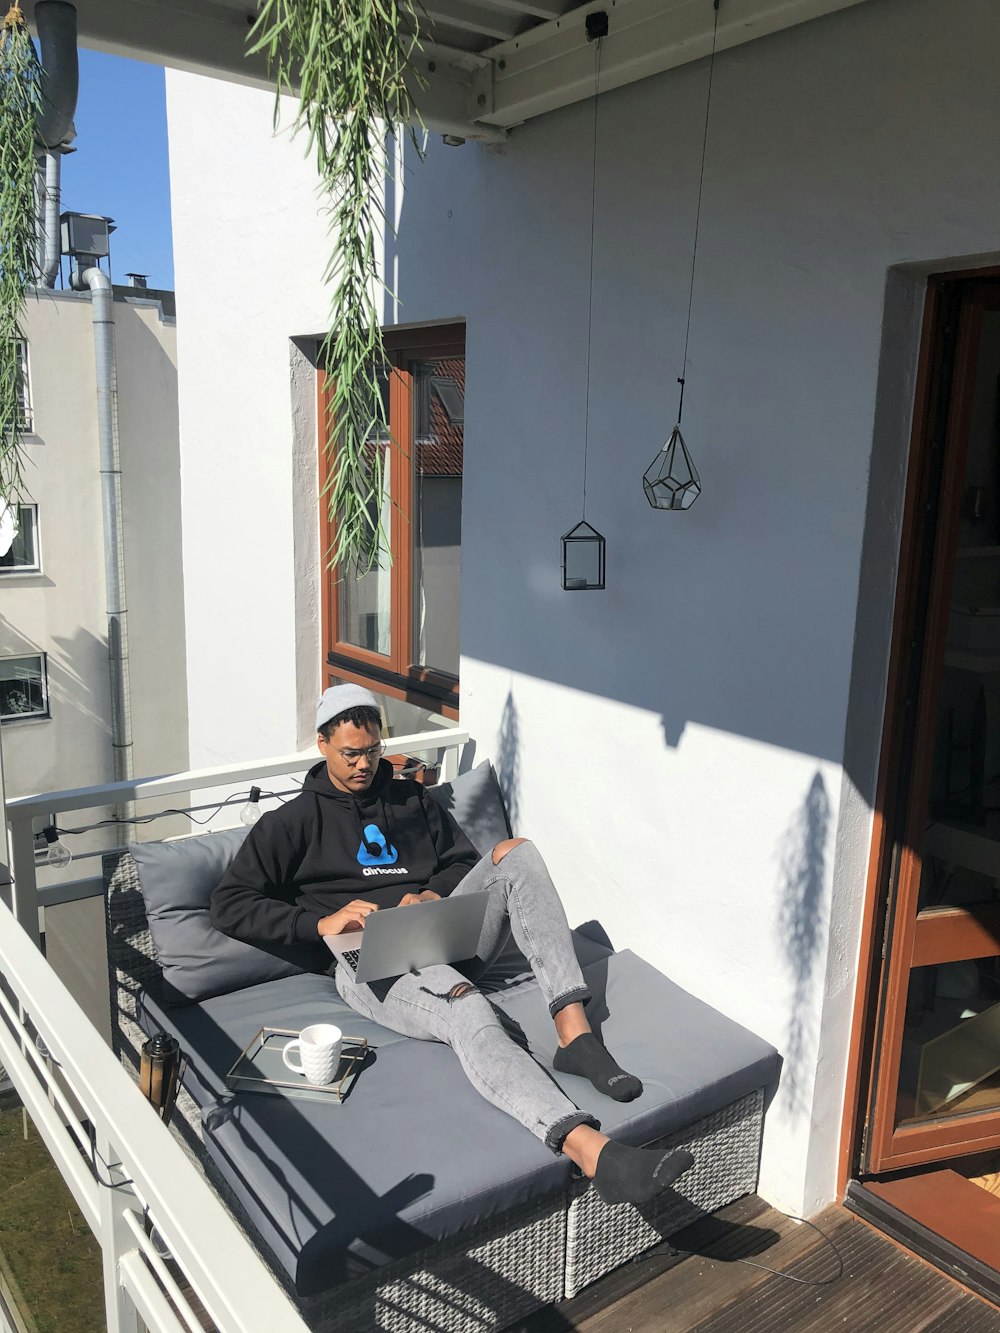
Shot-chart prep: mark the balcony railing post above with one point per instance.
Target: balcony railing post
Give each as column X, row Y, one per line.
column 22, row 842
column 5, row 869
column 115, row 1237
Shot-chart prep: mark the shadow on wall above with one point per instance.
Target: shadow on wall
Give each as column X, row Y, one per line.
column 740, row 615
column 509, row 761
column 802, row 929
column 78, row 677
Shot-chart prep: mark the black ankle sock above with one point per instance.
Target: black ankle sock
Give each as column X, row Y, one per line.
column 636, row 1175
column 587, row 1057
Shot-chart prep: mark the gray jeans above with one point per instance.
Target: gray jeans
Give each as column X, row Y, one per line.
column 523, row 903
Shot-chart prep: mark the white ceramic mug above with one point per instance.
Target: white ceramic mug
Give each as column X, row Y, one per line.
column 319, row 1050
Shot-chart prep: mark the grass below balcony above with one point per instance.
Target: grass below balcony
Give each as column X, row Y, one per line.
column 50, row 1263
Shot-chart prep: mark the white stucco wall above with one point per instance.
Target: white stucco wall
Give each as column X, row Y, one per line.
column 693, row 748
column 249, row 252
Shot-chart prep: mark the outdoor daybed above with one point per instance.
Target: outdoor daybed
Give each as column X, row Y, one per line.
column 389, row 1211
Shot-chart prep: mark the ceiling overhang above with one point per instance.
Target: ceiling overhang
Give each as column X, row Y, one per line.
column 486, row 65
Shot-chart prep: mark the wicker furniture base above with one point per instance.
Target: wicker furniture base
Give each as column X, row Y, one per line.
column 485, row 1279
column 479, row 1282
column 726, row 1149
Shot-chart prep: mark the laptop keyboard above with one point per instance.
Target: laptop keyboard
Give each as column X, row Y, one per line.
column 350, row 957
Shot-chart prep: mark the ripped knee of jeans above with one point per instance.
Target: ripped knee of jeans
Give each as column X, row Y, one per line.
column 458, row 992
column 502, row 848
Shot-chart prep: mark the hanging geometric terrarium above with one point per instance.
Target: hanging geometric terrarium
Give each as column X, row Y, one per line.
column 671, row 481
column 583, row 558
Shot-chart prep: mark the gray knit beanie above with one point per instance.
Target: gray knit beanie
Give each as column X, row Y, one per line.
column 339, row 698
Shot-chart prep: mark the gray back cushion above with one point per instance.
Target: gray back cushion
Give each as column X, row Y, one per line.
column 177, row 879
column 475, row 802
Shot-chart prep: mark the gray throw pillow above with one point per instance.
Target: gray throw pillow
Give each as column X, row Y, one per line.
column 475, row 802
column 177, row 879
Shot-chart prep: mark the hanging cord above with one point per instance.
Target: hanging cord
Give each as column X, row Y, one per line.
column 775, row 1272
column 593, row 220
column 697, row 215
column 234, row 799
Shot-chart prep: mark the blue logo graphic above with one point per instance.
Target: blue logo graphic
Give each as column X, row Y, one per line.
column 385, row 856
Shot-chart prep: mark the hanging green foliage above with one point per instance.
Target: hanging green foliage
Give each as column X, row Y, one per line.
column 20, row 100
column 349, row 62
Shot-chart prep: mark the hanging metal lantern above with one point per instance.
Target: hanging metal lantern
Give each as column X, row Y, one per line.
column 671, row 481
column 583, row 558
column 159, row 1073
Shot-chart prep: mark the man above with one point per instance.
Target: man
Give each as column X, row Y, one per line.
column 356, row 841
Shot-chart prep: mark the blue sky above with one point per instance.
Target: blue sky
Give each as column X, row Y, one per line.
column 120, row 166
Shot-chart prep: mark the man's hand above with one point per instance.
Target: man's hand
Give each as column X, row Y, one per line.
column 351, row 917
column 427, row 896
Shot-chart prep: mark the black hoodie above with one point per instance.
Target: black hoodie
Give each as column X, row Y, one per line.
column 326, row 847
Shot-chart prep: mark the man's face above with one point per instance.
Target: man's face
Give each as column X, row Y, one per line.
column 352, row 755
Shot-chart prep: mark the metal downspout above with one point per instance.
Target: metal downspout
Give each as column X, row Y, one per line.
column 102, row 299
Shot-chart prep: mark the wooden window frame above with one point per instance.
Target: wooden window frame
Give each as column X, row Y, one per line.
column 394, row 673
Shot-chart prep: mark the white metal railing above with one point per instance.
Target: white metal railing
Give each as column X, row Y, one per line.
column 29, row 896
column 123, row 1166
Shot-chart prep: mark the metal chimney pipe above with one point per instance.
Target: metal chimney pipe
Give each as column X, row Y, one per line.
column 55, row 21
column 50, row 217
column 103, row 320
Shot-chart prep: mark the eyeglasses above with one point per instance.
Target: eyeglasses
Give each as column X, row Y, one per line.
column 372, row 754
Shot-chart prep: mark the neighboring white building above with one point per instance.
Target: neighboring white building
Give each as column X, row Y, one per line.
column 53, row 623
column 695, row 749
column 55, row 693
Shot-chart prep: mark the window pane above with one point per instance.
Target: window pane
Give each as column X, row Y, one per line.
column 24, row 552
column 364, row 603
column 22, row 687
column 23, row 391
column 951, row 1041
column 439, row 420
column 23, row 388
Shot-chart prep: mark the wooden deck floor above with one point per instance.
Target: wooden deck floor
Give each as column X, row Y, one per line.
column 882, row 1288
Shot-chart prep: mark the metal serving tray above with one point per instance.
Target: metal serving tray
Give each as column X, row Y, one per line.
column 260, row 1068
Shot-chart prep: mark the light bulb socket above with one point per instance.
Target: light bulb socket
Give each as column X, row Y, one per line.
column 254, row 795
column 51, row 834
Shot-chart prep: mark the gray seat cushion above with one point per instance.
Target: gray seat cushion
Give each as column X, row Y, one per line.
column 402, row 1162
column 475, row 802
column 692, row 1060
column 177, row 879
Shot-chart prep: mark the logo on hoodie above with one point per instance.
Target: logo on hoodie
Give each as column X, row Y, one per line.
column 382, row 855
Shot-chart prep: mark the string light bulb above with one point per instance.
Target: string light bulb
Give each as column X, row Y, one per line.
column 58, row 854
column 251, row 811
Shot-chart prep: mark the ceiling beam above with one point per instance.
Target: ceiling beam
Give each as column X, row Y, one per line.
column 473, row 18
column 552, row 65
column 475, row 95
column 196, row 35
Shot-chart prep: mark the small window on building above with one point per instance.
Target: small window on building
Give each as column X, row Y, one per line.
column 24, row 690
column 25, row 424
column 24, row 556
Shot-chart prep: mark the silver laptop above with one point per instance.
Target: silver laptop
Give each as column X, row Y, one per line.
column 398, row 939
